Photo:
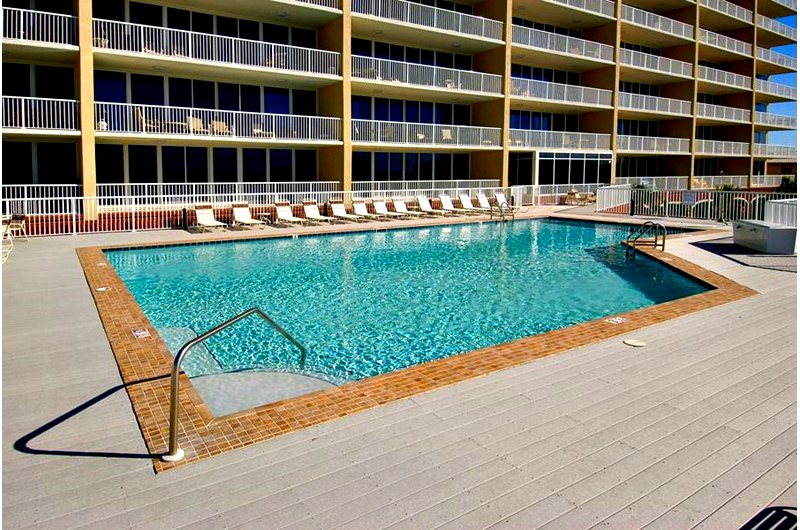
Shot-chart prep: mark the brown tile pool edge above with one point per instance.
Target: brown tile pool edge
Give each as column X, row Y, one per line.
column 145, row 363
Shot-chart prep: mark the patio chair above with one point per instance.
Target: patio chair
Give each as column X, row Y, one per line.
column 221, row 128
column 8, row 243
column 340, row 212
column 501, row 200
column 311, row 210
column 195, row 125
column 447, row 135
column 285, row 215
column 360, row 209
column 16, row 226
column 425, row 207
column 242, row 216
column 400, row 207
column 381, row 209
column 205, row 218
column 483, row 201
column 447, row 205
column 466, row 204
column 149, row 124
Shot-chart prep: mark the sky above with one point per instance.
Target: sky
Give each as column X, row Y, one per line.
column 790, row 108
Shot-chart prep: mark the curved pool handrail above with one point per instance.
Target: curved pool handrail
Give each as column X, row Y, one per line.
column 176, row 453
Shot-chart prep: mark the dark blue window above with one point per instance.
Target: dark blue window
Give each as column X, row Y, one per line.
column 148, row 14
column 254, row 165
column 395, row 166
column 411, row 166
column 304, row 38
column 196, row 164
column 228, row 27
column 248, row 29
column 179, row 19
column 225, row 164
column 280, row 165
column 362, row 166
column 425, row 166
column 228, row 96
column 361, row 108
column 396, row 110
column 412, row 111
column 203, row 92
column 304, row 102
column 276, row 34
column 276, row 100
column 381, row 109
column 147, row 89
column 180, row 92
column 110, row 163
column 305, row 165
column 142, row 163
column 17, row 81
column 251, row 98
column 381, row 166
column 362, row 47
column 426, row 112
column 173, row 164
column 108, row 86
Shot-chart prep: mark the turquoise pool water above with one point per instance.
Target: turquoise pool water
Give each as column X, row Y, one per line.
column 369, row 303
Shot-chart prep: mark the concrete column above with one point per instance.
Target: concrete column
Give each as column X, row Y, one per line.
column 86, row 97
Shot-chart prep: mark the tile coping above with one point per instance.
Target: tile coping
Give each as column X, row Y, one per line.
column 145, row 363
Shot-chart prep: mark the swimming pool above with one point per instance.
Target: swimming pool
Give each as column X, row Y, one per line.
column 368, row 303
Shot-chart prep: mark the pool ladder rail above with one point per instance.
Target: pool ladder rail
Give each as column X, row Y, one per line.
column 503, row 209
column 657, row 230
column 176, row 453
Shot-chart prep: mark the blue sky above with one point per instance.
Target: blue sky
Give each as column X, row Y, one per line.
column 785, row 137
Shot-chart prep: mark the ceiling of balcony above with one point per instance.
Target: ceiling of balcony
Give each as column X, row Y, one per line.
column 716, row 21
column 35, row 52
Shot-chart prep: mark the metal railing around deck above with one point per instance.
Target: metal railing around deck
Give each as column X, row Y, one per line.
column 656, row 182
column 776, row 120
column 721, row 112
column 642, row 102
column 710, row 182
column 424, row 75
column 724, row 42
column 544, row 40
column 768, row 181
column 333, row 4
column 781, row 212
column 612, row 198
column 770, row 24
column 38, row 26
column 648, row 61
column 395, row 132
column 652, row 144
column 40, row 113
column 722, row 77
column 774, row 57
column 775, row 151
column 558, row 139
column 718, row 147
column 790, row 4
column 126, row 118
column 646, row 19
column 776, row 89
column 153, row 41
column 529, row 88
column 380, row 186
column 431, row 17
column 730, row 9
column 602, row 7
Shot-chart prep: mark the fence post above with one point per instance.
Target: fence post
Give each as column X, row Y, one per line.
column 74, row 216
column 133, row 214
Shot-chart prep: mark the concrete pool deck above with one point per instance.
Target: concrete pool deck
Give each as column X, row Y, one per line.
column 697, row 427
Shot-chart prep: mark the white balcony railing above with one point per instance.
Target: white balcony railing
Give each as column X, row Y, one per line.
column 722, row 77
column 652, row 144
column 602, row 7
column 544, row 40
column 710, row 182
column 558, row 140
column 730, row 9
column 775, row 151
column 717, row 147
column 38, row 26
column 395, row 132
column 774, row 57
column 770, row 24
column 430, row 17
column 720, row 112
column 333, row 4
column 776, row 120
column 790, row 4
column 424, row 75
column 40, row 113
column 646, row 19
column 654, row 104
column 529, row 88
column 767, row 181
column 776, row 89
column 126, row 118
column 649, row 61
column 724, row 42
column 187, row 45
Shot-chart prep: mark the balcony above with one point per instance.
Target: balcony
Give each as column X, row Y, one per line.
column 585, row 54
column 162, row 122
column 29, row 34
column 721, row 113
column 670, row 31
column 775, row 121
column 121, row 44
column 652, row 144
column 767, row 181
column 652, row 105
column 559, row 94
column 777, row 8
column 583, row 13
column 25, row 115
column 401, row 21
column 727, row 9
column 772, row 92
column 724, row 82
column 407, row 79
column 774, row 33
column 657, row 69
column 424, row 135
column 527, row 139
column 775, row 151
column 777, row 62
column 725, row 46
column 721, row 148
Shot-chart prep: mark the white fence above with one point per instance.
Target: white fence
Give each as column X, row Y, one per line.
column 379, row 186
column 722, row 77
column 38, row 26
column 640, row 17
column 768, row 181
column 602, row 7
column 611, row 198
column 652, row 144
column 710, row 182
column 40, row 113
column 182, row 121
column 189, row 45
column 649, row 61
column 776, row 120
column 544, row 40
column 716, row 147
column 654, row 103
column 395, row 132
column 729, row 8
column 720, row 112
column 776, row 89
column 776, row 58
column 558, row 140
column 775, row 151
column 424, row 75
column 656, row 182
column 783, row 213
column 333, row 4
column 774, row 26
column 726, row 43
column 431, row 17
column 529, row 88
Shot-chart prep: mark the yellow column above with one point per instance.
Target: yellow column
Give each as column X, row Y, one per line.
column 86, row 98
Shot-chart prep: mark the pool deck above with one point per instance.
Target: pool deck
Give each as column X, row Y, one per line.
column 697, row 429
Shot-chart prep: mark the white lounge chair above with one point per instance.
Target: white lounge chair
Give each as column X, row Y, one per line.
column 285, row 215
column 466, row 203
column 425, row 207
column 447, row 205
column 8, row 242
column 360, row 209
column 243, row 217
column 205, row 217
column 311, row 210
column 381, row 209
column 400, row 207
column 340, row 212
column 502, row 201
column 483, row 201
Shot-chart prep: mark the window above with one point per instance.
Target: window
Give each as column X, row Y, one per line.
column 179, row 19
column 411, row 160
column 249, row 29
column 443, row 166
column 362, row 108
column 304, row 38
column 225, row 165
column 362, row 47
column 107, row 9
column 276, row 100
column 147, row 89
column 203, row 94
column 254, row 165
column 280, row 165
column 110, row 164
column 17, row 163
column 381, row 166
column 461, row 166
column 381, row 109
column 305, row 165
column 108, row 86
column 228, row 27
column 362, row 166
column 425, row 166
column 180, row 92
column 251, row 98
column 276, row 34
column 395, row 166
column 202, row 23
column 147, row 14
column 17, row 81
column 142, row 163
column 228, row 96
column 196, row 164
column 173, row 164
column 304, row 102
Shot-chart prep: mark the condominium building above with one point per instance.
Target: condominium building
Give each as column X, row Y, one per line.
column 523, row 91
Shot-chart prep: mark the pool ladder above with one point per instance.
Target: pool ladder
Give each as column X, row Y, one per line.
column 503, row 209
column 176, row 453
column 649, row 228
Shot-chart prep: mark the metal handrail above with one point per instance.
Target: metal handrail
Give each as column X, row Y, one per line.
column 646, row 228
column 176, row 453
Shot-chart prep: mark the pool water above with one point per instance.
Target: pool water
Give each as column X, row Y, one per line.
column 373, row 302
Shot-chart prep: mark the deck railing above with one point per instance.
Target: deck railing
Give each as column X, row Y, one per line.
column 656, row 183
column 776, row 120
column 790, row 4
column 770, row 24
column 724, row 42
column 610, row 198
column 602, row 7
column 424, row 75
column 558, row 140
column 646, row 19
column 183, row 45
column 333, row 4
column 781, row 212
column 774, row 57
column 718, row 147
column 38, row 26
column 768, row 181
column 381, row 186
column 710, row 182
column 395, row 132
column 40, row 113
column 126, row 118
column 652, row 144
column 775, row 151
column 722, row 77
column 648, row 61
column 776, row 89
column 721, row 112
column 544, row 40
column 642, row 102
column 730, row 9
column 529, row 88
column 430, row 17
